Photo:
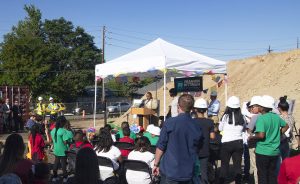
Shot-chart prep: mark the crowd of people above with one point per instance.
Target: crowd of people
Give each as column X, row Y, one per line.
column 183, row 149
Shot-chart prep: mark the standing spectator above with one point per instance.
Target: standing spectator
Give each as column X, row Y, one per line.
column 37, row 144
column 68, row 135
column 105, row 148
column 142, row 153
column 6, row 109
column 213, row 107
column 173, row 110
column 289, row 172
column 59, row 148
column 254, row 109
column 52, row 108
column 87, row 170
column 1, row 116
column 232, row 125
column 126, row 138
column 12, row 160
column 178, row 145
column 41, row 107
column 267, row 133
column 17, row 116
column 287, row 137
column 207, row 127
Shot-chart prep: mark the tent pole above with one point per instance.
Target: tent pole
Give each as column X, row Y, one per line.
column 226, row 89
column 95, row 103
column 165, row 94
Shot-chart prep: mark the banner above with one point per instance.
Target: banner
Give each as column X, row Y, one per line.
column 190, row 84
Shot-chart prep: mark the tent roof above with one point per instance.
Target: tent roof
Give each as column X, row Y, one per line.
column 159, row 56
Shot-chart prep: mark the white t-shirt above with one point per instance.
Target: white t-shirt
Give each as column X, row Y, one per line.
column 114, row 153
column 231, row 132
column 174, row 108
column 137, row 177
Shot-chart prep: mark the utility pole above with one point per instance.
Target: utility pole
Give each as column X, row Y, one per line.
column 103, row 89
column 297, row 42
column 269, row 50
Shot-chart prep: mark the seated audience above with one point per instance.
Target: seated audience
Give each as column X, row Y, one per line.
column 112, row 132
column 105, row 148
column 87, row 170
column 153, row 134
column 141, row 152
column 120, row 134
column 12, row 160
column 80, row 142
column 127, row 139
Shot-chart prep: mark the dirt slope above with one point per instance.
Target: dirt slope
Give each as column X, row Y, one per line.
column 274, row 74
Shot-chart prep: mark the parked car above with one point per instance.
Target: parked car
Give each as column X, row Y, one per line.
column 118, row 106
column 88, row 108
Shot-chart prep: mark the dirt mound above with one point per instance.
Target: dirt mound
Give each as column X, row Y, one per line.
column 274, row 74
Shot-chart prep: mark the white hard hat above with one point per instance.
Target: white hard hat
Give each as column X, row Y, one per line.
column 40, row 98
column 256, row 100
column 149, row 127
column 200, row 103
column 268, row 101
column 50, row 98
column 233, row 102
column 155, row 130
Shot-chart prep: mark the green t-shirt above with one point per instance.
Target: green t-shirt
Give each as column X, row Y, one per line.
column 153, row 140
column 120, row 135
column 68, row 137
column 270, row 124
column 59, row 146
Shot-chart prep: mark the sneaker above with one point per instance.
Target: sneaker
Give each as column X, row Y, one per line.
column 65, row 180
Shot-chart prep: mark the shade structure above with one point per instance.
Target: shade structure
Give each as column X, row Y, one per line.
column 159, row 58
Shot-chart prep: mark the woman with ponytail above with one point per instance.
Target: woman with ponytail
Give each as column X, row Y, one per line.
column 287, row 140
column 59, row 148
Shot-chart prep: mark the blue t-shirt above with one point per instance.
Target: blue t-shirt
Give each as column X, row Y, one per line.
column 180, row 140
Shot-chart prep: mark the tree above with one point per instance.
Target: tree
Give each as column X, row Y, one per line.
column 52, row 57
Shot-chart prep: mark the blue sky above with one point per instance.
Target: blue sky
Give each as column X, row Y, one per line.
column 221, row 29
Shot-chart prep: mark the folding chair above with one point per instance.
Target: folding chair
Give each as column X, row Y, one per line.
column 137, row 165
column 106, row 162
column 124, row 145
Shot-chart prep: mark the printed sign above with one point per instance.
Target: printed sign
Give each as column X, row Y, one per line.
column 190, row 84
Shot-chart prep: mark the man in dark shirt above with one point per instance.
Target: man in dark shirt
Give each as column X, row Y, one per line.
column 207, row 127
column 178, row 145
column 17, row 116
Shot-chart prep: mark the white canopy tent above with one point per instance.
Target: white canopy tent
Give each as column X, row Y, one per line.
column 159, row 58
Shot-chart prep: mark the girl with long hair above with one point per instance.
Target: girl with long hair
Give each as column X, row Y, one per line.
column 87, row 169
column 232, row 125
column 59, row 148
column 37, row 144
column 105, row 148
column 142, row 153
column 12, row 160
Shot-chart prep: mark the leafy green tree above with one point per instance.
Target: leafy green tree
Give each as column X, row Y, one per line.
column 52, row 57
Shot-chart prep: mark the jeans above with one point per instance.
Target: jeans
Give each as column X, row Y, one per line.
column 266, row 169
column 232, row 149
column 165, row 180
column 204, row 169
column 63, row 161
column 246, row 160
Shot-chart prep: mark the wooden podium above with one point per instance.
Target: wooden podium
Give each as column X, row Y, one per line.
column 145, row 113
